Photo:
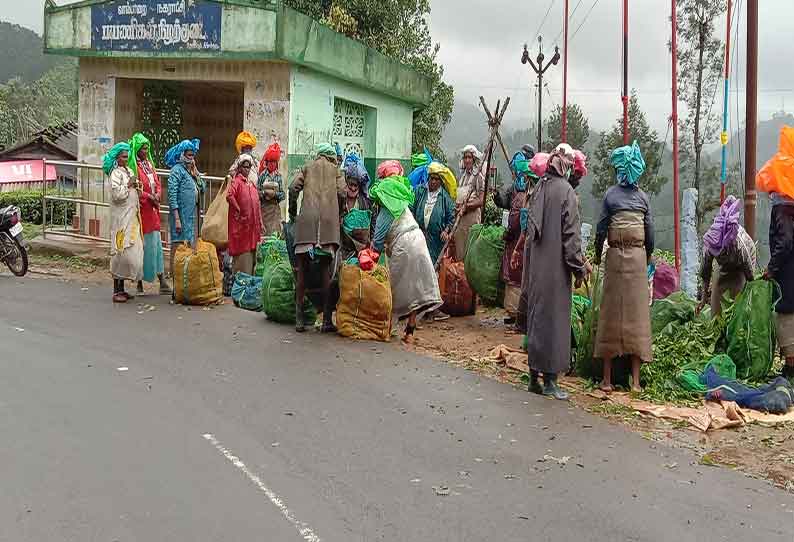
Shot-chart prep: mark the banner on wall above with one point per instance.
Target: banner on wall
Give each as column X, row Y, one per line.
column 156, row 25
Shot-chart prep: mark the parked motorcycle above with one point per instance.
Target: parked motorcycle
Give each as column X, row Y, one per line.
column 12, row 247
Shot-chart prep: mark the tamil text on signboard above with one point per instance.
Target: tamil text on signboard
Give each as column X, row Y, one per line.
column 156, row 25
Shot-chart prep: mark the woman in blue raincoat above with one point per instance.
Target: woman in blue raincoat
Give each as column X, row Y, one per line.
column 184, row 187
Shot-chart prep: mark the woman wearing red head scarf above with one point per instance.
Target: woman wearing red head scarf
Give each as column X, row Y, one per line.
column 271, row 190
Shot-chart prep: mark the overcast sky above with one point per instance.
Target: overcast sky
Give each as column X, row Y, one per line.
column 482, row 40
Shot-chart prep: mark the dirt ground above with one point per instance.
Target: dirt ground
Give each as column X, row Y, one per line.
column 757, row 451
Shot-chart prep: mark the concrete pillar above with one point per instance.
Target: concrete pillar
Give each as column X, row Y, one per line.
column 690, row 243
column 587, row 233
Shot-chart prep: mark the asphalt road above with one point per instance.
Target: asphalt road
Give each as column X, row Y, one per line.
column 224, row 427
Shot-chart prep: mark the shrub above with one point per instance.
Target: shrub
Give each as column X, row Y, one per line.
column 29, row 203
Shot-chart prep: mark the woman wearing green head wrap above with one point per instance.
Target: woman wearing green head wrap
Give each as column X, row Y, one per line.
column 414, row 284
column 624, row 324
column 316, row 228
column 142, row 165
column 126, row 235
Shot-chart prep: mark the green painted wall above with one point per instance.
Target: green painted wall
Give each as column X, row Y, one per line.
column 263, row 31
column 312, row 115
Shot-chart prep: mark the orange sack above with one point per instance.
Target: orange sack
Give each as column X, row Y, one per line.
column 777, row 175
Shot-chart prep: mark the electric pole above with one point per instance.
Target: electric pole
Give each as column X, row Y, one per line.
column 625, row 97
column 752, row 117
column 565, row 79
column 539, row 70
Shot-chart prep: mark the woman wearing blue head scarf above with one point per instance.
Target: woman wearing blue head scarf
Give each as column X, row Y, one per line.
column 624, row 324
column 184, row 186
column 126, row 235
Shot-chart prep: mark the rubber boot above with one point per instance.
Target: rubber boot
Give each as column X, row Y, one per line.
column 788, row 373
column 300, row 318
column 534, row 383
column 551, row 389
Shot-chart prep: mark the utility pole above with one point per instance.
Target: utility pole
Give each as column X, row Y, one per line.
column 725, row 101
column 565, row 79
column 674, row 120
column 752, row 117
column 625, row 97
column 539, row 70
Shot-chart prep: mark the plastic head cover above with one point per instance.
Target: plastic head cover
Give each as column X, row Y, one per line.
column 447, row 178
column 520, row 165
column 109, row 161
column 579, row 163
column 393, row 193
column 136, row 143
column 325, row 149
column 244, row 139
column 539, row 163
column 725, row 229
column 390, row 168
column 355, row 171
column 273, row 153
column 174, row 155
column 471, row 149
column 528, row 150
column 628, row 163
column 421, row 159
column 242, row 159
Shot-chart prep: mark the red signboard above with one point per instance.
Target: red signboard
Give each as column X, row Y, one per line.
column 23, row 171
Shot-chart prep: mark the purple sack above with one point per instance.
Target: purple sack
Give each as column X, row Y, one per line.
column 665, row 280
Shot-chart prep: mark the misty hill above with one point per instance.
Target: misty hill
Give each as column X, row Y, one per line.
column 23, row 54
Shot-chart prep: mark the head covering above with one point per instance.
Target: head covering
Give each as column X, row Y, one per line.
column 725, row 229
column 390, row 168
column 244, row 139
column 579, row 163
column 539, row 163
column 138, row 140
column 271, row 159
column 109, row 160
column 629, row 164
column 393, row 193
column 244, row 158
column 421, row 159
column 528, row 150
column 355, row 171
column 471, row 149
column 325, row 149
column 561, row 160
column 520, row 166
column 174, row 155
column 447, row 178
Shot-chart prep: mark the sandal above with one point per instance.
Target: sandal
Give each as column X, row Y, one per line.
column 408, row 335
column 119, row 297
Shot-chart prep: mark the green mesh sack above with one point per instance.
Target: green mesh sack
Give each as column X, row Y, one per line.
column 677, row 308
column 483, row 263
column 271, row 251
column 357, row 220
column 278, row 295
column 751, row 331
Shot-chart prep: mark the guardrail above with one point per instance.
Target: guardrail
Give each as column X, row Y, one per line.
column 90, row 199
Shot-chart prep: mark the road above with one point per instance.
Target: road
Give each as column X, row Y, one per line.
column 225, row 427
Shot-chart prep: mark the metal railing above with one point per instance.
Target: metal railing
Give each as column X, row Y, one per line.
column 91, row 194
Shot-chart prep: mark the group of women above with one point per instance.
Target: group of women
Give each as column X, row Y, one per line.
column 136, row 246
column 409, row 225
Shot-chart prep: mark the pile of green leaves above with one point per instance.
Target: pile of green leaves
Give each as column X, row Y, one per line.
column 681, row 344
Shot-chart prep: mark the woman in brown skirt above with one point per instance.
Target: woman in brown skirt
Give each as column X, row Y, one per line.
column 624, row 324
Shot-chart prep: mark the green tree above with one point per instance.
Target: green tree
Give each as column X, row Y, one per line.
column 399, row 29
column 577, row 127
column 700, row 59
column 648, row 140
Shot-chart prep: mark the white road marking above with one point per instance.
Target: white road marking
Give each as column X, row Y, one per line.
column 305, row 531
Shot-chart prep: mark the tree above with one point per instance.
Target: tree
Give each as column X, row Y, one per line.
column 577, row 127
column 648, row 140
column 399, row 29
column 700, row 59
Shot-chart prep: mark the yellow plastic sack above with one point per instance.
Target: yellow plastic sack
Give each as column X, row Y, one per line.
column 365, row 304
column 197, row 276
column 215, row 229
column 777, row 175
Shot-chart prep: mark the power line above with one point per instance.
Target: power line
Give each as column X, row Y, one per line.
column 583, row 21
column 540, row 27
column 569, row 18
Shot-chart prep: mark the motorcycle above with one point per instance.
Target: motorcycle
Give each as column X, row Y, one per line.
column 12, row 247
